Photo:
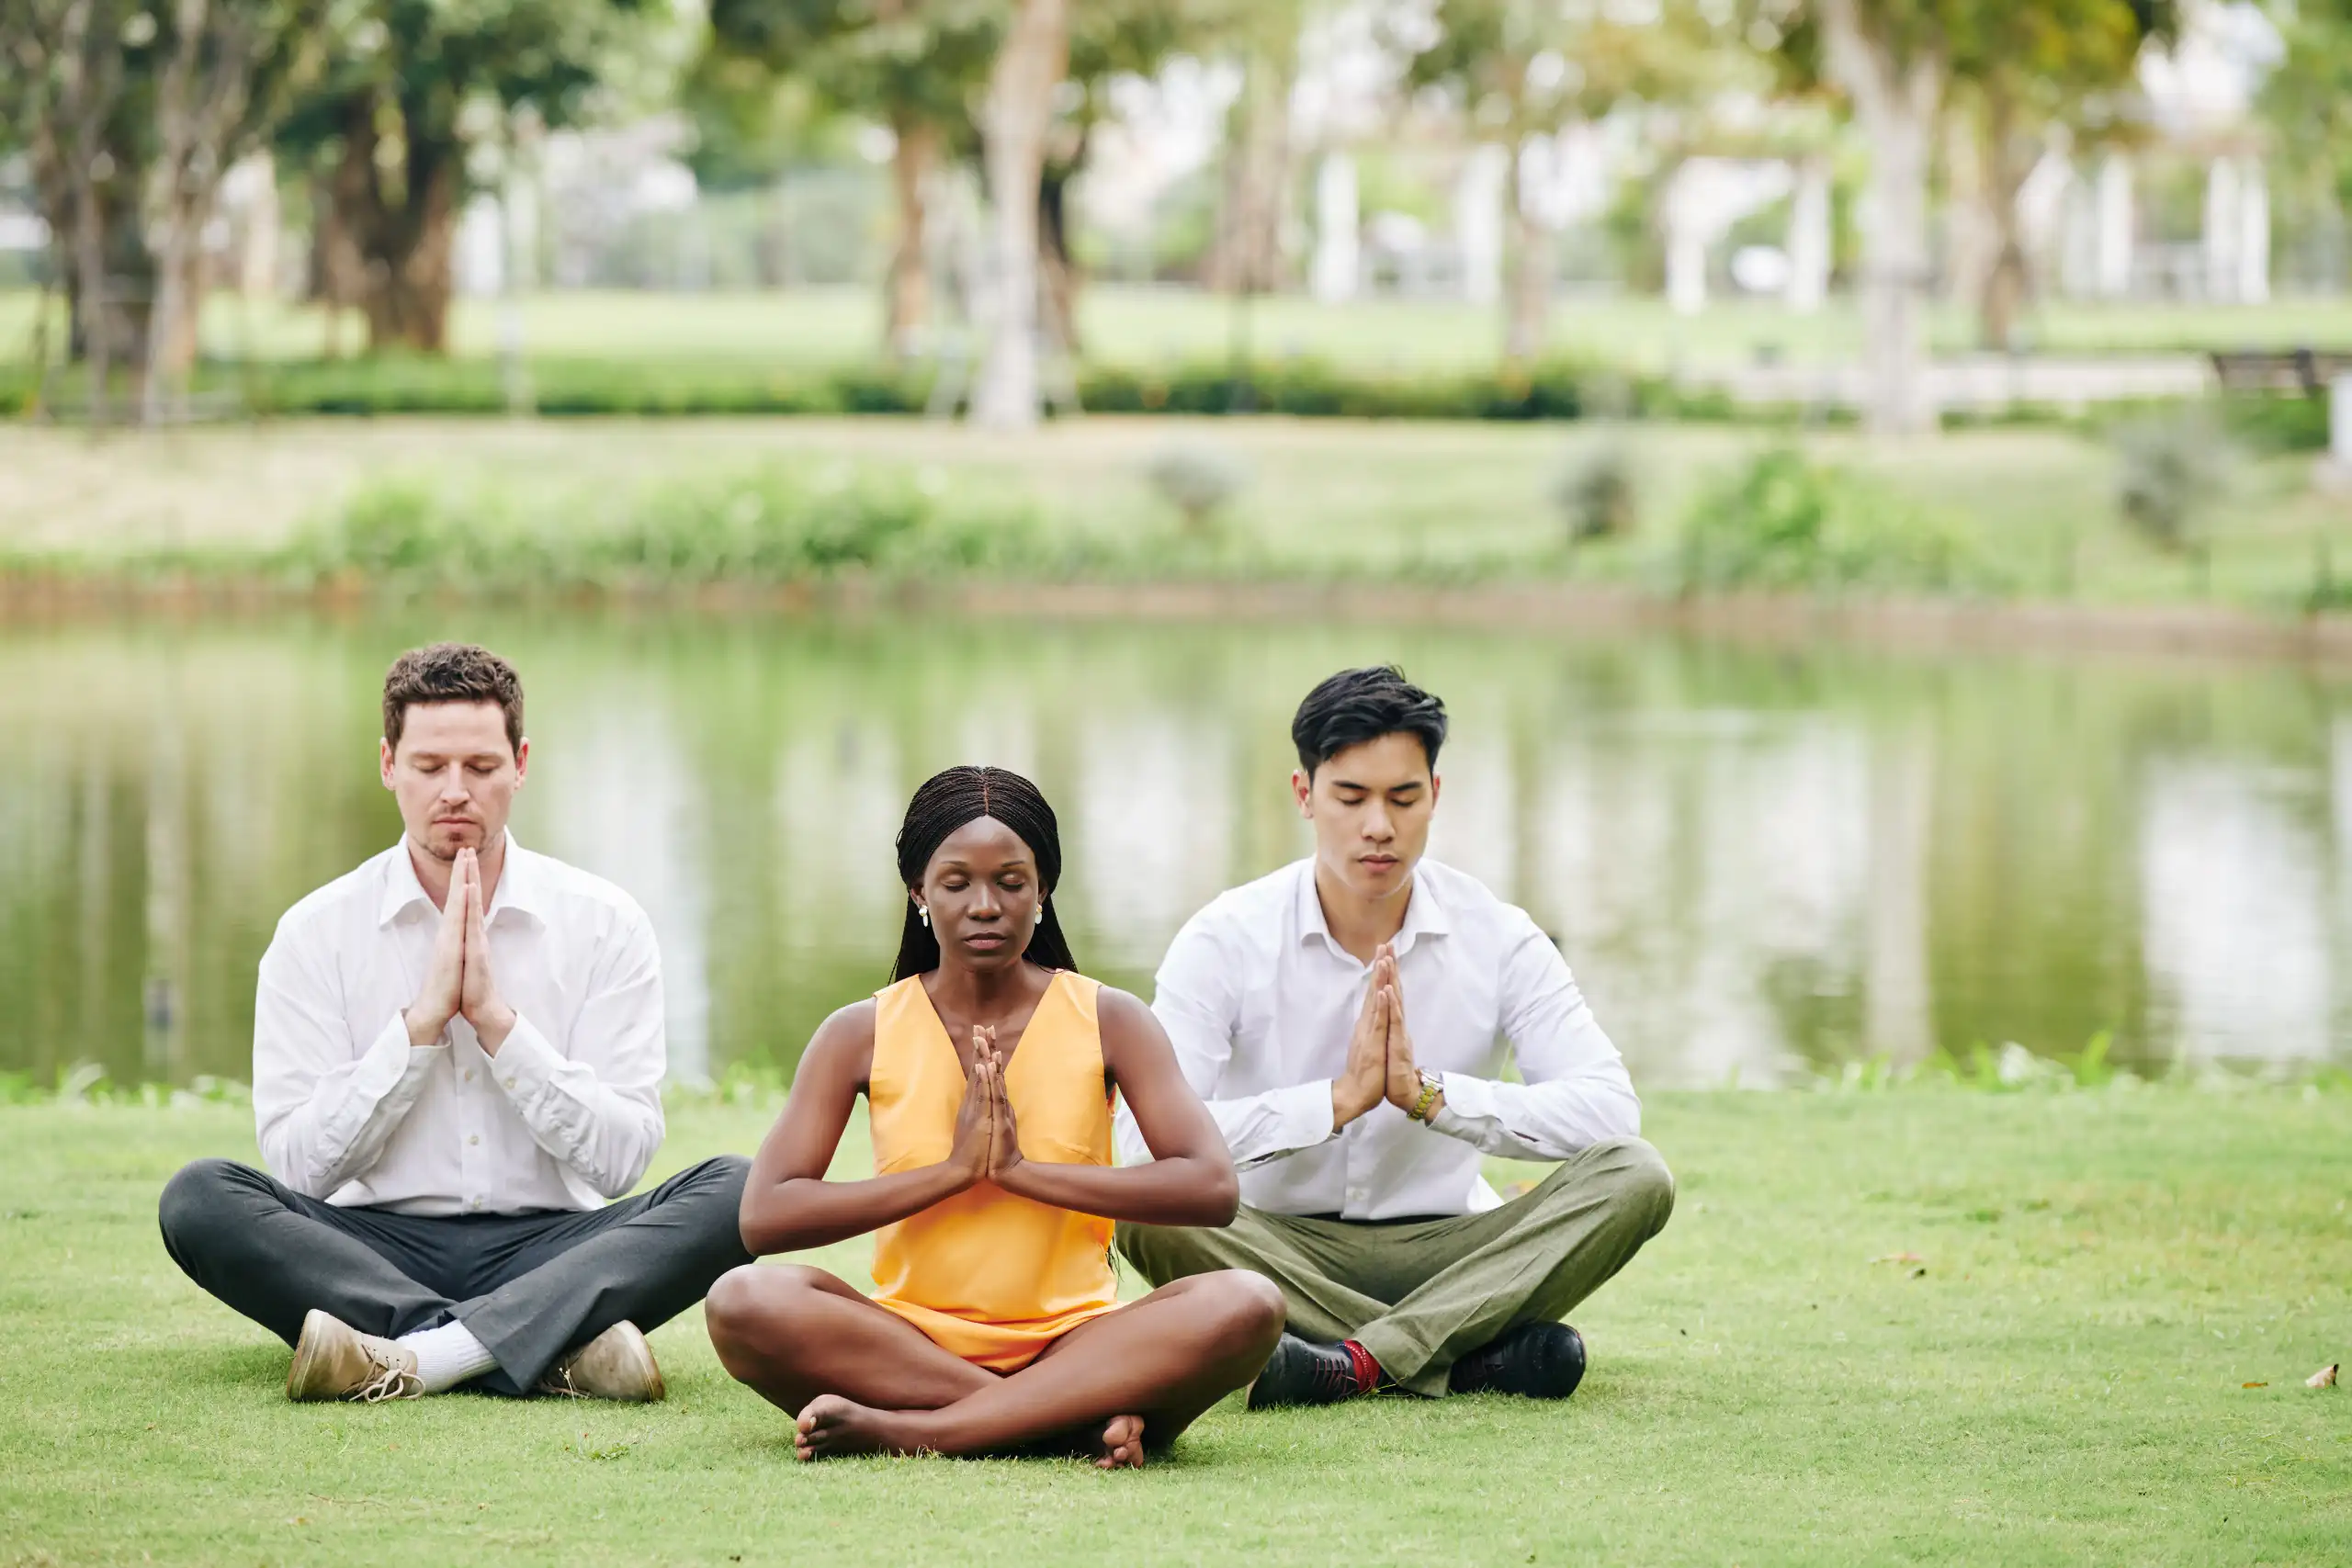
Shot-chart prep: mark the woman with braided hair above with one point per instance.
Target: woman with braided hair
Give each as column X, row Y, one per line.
column 988, row 1065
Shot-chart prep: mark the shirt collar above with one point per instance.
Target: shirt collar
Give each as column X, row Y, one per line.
column 517, row 886
column 1425, row 915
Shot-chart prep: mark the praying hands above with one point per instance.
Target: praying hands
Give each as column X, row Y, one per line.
column 1380, row 1053
column 457, row 980
column 987, row 1140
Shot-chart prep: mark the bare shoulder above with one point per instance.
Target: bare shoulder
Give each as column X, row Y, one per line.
column 1125, row 1024
column 851, row 1023
column 844, row 1040
column 1122, row 1009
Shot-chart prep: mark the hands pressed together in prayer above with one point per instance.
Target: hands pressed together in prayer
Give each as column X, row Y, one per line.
column 988, row 1142
column 457, row 981
column 1380, row 1054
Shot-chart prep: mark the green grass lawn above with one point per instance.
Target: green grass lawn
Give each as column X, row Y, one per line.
column 2059, row 1379
column 1160, row 326
column 1324, row 498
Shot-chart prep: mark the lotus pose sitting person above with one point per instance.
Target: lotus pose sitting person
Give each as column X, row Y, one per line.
column 458, row 1050
column 1344, row 1017
column 989, row 1065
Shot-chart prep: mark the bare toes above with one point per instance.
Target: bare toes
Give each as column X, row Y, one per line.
column 1121, row 1443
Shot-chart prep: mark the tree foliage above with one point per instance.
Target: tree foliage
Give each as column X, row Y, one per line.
column 2307, row 100
column 418, row 86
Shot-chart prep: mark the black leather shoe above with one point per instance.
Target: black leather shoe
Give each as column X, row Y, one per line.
column 1536, row 1360
column 1301, row 1373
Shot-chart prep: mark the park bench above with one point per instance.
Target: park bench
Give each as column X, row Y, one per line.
column 2305, row 370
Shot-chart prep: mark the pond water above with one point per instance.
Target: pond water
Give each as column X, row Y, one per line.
column 1760, row 863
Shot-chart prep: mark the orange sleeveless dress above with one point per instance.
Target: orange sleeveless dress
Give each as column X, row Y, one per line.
column 989, row 1276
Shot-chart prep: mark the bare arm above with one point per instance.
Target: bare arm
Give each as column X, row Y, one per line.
column 1190, row 1179
column 787, row 1203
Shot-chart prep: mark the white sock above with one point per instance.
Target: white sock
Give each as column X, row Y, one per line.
column 448, row 1355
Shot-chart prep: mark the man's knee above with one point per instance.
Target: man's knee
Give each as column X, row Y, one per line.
column 721, row 1178
column 1633, row 1178
column 200, row 1199
column 1162, row 1254
column 1640, row 1184
column 714, row 1192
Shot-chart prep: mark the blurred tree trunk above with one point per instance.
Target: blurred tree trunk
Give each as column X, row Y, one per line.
column 1528, row 296
column 907, row 305
column 1060, row 275
column 1029, row 65
column 400, row 212
column 78, row 134
column 201, row 98
column 2007, row 161
column 1896, row 98
column 335, row 266
column 1246, row 256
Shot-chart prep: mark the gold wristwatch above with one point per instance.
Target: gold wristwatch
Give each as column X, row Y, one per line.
column 1432, row 1087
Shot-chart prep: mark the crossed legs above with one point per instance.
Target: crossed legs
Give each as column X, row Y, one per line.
column 860, row 1379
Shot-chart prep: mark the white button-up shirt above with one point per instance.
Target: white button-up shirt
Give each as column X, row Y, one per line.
column 566, row 1115
column 1259, row 1001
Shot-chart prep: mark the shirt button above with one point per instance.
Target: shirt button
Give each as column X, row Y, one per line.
column 475, row 1204
column 475, row 1139
column 469, row 1074
column 510, row 1083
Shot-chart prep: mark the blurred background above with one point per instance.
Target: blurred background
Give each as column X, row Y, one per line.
column 1865, row 473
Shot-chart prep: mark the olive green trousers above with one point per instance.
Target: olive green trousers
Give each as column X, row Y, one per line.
column 1420, row 1294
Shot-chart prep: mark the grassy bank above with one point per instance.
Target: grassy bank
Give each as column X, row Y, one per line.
column 1158, row 327
column 2021, row 515
column 2059, row 1376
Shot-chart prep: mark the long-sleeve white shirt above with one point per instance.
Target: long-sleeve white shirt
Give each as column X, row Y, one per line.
column 1259, row 1001
column 566, row 1115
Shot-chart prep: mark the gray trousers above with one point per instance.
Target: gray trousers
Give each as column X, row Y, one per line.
column 1420, row 1294
column 529, row 1287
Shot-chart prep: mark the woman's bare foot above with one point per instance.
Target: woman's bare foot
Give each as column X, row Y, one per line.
column 1122, row 1444
column 831, row 1426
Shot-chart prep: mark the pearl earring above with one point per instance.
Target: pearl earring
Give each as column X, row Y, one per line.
column 923, row 912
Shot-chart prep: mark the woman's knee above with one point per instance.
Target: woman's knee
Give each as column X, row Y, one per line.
column 752, row 1312
column 1247, row 1309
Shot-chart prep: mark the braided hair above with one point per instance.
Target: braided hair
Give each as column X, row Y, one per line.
column 946, row 802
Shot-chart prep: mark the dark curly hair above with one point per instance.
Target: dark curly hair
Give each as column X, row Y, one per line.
column 451, row 672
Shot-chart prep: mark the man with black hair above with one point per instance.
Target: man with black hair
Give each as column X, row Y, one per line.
column 458, row 1059
column 1346, row 1020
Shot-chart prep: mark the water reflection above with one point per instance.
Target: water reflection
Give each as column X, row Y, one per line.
column 1760, row 863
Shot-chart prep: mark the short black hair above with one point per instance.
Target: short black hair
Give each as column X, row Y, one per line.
column 1357, row 706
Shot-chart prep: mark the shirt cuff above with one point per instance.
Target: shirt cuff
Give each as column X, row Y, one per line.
column 391, row 1057
column 1469, row 1102
column 390, row 1071
column 1302, row 1115
column 526, row 1063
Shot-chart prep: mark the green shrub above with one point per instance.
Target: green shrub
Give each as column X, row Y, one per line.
column 1782, row 520
column 1596, row 493
column 1199, row 480
column 2276, row 423
column 770, row 525
column 2172, row 468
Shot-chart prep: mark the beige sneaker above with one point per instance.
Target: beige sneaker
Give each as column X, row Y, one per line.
column 335, row 1360
column 616, row 1364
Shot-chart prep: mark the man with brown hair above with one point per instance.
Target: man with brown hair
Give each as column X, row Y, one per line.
column 457, row 1054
